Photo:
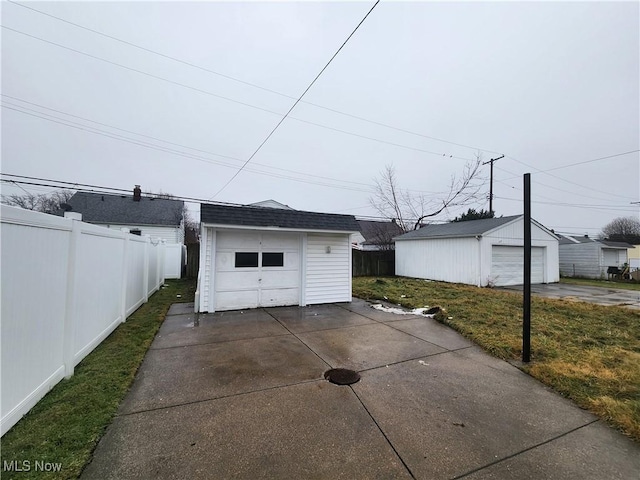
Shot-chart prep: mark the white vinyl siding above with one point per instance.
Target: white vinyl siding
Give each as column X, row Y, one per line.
column 328, row 275
column 453, row 260
column 169, row 234
column 470, row 259
column 316, row 269
column 580, row 260
column 589, row 260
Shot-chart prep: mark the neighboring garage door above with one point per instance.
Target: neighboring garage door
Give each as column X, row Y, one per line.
column 611, row 257
column 507, row 265
column 256, row 269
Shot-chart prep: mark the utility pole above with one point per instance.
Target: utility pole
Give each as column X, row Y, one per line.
column 491, row 181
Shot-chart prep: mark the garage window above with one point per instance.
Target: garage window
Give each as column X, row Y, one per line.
column 273, row 259
column 246, row 259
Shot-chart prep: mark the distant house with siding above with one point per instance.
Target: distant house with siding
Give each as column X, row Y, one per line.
column 582, row 256
column 143, row 215
column 634, row 256
column 376, row 235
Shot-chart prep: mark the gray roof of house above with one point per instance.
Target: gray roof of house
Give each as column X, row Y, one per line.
column 122, row 210
column 249, row 216
column 375, row 232
column 580, row 240
column 610, row 243
column 469, row 228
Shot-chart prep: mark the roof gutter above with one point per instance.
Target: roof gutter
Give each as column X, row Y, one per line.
column 274, row 228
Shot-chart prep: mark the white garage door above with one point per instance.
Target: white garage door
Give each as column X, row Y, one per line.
column 611, row 257
column 256, row 269
column 507, row 265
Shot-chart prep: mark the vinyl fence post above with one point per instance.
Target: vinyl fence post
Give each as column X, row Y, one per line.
column 125, row 274
column 70, row 318
column 162, row 262
column 145, row 277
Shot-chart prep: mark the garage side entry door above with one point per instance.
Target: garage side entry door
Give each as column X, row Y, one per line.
column 507, row 265
column 256, row 269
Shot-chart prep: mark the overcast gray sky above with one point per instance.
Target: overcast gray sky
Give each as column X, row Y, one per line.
column 548, row 85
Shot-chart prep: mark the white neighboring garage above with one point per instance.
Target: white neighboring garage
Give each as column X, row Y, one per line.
column 478, row 252
column 254, row 256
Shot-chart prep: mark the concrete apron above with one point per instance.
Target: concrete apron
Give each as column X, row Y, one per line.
column 242, row 395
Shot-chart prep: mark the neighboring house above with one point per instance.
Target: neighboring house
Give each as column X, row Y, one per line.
column 252, row 256
column 487, row 252
column 374, row 235
column 158, row 217
column 634, row 256
column 271, row 204
column 582, row 256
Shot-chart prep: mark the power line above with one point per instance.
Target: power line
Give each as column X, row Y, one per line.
column 591, row 197
column 222, row 97
column 141, row 72
column 228, row 77
column 296, row 102
column 176, row 144
column 589, row 161
column 568, row 181
column 91, row 188
column 179, row 153
column 574, row 205
column 122, row 138
column 285, row 95
column 64, row 185
column 357, row 186
column 131, row 44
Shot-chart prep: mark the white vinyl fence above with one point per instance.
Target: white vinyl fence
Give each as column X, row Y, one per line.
column 174, row 260
column 66, row 285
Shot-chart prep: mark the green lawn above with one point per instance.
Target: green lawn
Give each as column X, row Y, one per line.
column 589, row 353
column 65, row 426
column 626, row 285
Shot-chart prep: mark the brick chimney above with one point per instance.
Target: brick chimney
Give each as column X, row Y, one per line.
column 137, row 193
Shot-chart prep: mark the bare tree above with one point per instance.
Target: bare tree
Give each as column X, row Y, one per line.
column 622, row 229
column 411, row 210
column 44, row 202
column 190, row 223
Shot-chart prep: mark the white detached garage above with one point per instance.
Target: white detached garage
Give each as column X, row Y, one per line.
column 478, row 252
column 252, row 256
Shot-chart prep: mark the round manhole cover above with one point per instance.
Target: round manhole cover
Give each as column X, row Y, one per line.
column 341, row 376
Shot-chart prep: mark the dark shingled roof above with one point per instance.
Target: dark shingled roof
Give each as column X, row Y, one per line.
column 458, row 229
column 249, row 216
column 375, row 232
column 610, row 243
column 567, row 240
column 122, row 210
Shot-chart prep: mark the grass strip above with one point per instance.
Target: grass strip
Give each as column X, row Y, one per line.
column 588, row 353
column 620, row 285
column 66, row 425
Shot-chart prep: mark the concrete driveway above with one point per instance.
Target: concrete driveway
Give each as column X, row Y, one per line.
column 582, row 293
column 242, row 395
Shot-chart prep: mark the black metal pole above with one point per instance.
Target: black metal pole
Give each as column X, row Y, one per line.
column 526, row 306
